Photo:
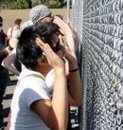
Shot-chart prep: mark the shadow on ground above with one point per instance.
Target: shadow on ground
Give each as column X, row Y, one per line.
column 6, row 113
column 12, row 82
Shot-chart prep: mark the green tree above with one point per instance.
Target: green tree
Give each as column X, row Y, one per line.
column 61, row 1
column 30, row 3
column 22, row 4
column 45, row 2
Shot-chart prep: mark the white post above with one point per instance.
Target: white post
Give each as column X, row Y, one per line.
column 68, row 10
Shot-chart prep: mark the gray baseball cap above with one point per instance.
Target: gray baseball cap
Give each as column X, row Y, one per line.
column 39, row 12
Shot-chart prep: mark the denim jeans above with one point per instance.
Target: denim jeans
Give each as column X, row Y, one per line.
column 4, row 79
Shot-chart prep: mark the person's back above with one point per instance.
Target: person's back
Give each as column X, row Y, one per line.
column 21, row 107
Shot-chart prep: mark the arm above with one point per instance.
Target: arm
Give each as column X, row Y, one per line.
column 5, row 51
column 54, row 112
column 7, row 63
column 75, row 87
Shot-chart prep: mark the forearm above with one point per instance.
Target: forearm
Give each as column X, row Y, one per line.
column 70, row 41
column 75, row 86
column 13, row 69
column 10, row 67
column 60, row 99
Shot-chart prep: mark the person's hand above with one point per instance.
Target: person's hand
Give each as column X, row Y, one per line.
column 67, row 49
column 53, row 59
column 67, row 31
column 69, row 55
column 75, row 34
column 68, row 41
column 64, row 26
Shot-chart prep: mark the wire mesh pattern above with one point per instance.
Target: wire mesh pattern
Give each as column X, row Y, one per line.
column 100, row 31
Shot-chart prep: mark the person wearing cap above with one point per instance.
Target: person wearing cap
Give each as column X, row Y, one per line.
column 40, row 14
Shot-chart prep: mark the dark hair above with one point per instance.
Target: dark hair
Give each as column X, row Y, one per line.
column 45, row 32
column 1, row 19
column 27, row 50
column 18, row 21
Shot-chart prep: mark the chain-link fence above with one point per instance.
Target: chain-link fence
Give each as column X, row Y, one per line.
column 100, row 31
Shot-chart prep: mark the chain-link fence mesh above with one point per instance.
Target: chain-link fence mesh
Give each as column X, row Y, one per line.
column 100, row 31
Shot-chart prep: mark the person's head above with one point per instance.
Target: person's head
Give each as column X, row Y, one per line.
column 18, row 21
column 1, row 21
column 28, row 52
column 40, row 14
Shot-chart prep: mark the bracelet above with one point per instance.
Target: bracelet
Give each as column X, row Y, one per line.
column 74, row 70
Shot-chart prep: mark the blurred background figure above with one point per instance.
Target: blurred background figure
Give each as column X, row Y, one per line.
column 14, row 33
column 15, row 30
column 4, row 75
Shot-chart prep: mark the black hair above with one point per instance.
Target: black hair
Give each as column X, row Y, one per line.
column 18, row 21
column 45, row 32
column 28, row 52
column 1, row 19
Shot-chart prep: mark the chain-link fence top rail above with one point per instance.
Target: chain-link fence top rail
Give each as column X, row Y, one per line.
column 100, row 27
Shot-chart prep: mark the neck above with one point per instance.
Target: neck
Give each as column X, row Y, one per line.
column 43, row 68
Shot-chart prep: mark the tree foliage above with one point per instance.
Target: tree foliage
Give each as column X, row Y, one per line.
column 21, row 4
